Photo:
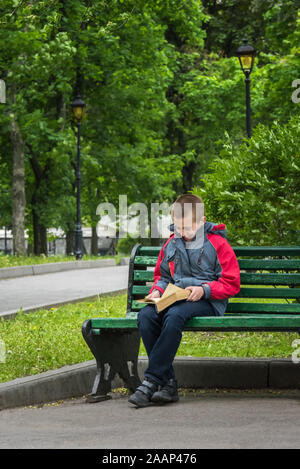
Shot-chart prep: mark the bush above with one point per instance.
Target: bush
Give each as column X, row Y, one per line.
column 255, row 189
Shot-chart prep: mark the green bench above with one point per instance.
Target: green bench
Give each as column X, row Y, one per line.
column 266, row 272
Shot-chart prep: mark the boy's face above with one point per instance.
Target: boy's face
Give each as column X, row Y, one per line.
column 187, row 227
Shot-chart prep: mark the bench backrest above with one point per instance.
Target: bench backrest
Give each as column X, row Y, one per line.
column 270, row 279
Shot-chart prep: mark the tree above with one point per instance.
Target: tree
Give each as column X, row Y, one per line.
column 162, row 90
column 255, row 189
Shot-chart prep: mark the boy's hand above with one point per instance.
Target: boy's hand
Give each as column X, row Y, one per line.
column 154, row 294
column 196, row 293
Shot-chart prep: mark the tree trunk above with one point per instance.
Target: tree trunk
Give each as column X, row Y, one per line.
column 188, row 171
column 39, row 230
column 18, row 190
column 40, row 235
column 84, row 250
column 94, row 243
column 70, row 241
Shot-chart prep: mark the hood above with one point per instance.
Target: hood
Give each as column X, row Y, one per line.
column 210, row 227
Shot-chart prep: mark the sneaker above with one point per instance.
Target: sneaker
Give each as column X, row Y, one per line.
column 143, row 394
column 166, row 393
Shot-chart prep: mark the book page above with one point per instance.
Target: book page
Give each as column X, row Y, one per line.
column 170, row 295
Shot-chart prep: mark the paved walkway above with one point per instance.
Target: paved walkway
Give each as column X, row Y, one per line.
column 209, row 420
column 36, row 291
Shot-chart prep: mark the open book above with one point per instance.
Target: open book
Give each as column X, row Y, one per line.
column 169, row 296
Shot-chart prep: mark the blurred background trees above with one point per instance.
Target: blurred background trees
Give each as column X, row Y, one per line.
column 165, row 111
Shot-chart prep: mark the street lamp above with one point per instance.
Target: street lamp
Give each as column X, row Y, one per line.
column 78, row 106
column 246, row 55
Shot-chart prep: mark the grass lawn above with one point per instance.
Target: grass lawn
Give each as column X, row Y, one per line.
column 12, row 261
column 49, row 339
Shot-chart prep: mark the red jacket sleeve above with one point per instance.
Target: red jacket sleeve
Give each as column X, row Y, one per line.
column 228, row 284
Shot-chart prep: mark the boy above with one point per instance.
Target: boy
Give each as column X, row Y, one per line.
column 196, row 257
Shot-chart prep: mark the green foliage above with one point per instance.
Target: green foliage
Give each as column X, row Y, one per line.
column 272, row 82
column 213, row 101
column 266, row 24
column 163, row 92
column 255, row 189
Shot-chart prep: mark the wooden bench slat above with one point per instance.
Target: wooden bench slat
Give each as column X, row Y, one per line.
column 266, row 250
column 145, row 260
column 142, row 290
column 264, row 321
column 239, row 250
column 269, row 264
column 212, row 323
column 269, row 279
column 149, row 250
column 259, row 264
column 248, row 308
column 246, row 278
column 291, row 293
column 143, row 275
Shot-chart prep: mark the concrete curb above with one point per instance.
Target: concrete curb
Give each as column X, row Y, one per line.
column 38, row 269
column 191, row 372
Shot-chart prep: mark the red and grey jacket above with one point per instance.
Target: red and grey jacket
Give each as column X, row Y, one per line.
column 209, row 261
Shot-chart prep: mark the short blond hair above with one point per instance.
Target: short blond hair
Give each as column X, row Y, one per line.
column 185, row 203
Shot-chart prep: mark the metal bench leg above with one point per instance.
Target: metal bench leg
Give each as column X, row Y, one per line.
column 102, row 383
column 116, row 351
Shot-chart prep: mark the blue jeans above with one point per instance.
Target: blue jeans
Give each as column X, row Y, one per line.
column 161, row 334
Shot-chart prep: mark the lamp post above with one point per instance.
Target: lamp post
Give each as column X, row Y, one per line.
column 246, row 55
column 78, row 106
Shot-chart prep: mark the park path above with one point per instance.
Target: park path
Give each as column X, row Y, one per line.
column 37, row 291
column 209, row 420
